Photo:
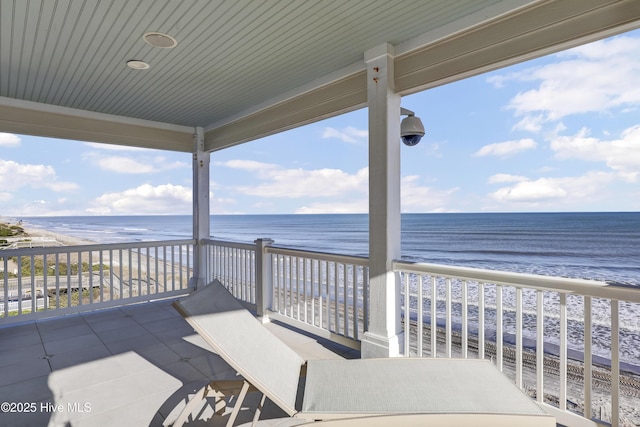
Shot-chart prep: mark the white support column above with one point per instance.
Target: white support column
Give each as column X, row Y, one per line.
column 264, row 288
column 201, row 219
column 383, row 338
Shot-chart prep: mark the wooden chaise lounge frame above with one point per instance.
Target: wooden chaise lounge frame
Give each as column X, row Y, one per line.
column 461, row 391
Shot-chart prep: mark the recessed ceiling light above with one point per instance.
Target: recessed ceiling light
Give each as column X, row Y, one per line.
column 137, row 65
column 160, row 40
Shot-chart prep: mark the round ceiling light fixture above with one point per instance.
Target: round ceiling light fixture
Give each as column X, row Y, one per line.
column 160, row 40
column 137, row 65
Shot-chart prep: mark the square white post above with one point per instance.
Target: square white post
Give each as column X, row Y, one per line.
column 201, row 218
column 264, row 288
column 383, row 336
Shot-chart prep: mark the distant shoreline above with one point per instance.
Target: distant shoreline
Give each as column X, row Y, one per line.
column 32, row 232
column 62, row 238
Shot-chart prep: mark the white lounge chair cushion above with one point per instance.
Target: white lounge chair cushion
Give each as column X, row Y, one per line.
column 410, row 386
column 244, row 343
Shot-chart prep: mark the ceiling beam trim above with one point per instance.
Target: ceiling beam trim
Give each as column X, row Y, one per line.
column 30, row 118
column 538, row 30
column 338, row 97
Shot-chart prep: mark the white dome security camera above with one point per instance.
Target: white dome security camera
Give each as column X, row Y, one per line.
column 411, row 128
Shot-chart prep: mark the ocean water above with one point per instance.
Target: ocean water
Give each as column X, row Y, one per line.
column 600, row 246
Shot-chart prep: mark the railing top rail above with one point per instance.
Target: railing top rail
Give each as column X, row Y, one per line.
column 324, row 256
column 585, row 287
column 92, row 247
column 229, row 244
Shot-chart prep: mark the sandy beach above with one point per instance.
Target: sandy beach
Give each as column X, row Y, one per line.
column 61, row 238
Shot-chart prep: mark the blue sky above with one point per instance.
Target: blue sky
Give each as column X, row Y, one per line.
column 559, row 133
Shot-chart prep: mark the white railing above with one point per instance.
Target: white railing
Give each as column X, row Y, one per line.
column 42, row 282
column 568, row 343
column 511, row 317
column 558, row 339
column 233, row 264
column 320, row 291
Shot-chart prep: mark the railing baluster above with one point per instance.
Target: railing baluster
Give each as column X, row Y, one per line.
column 563, row 351
column 121, row 275
column 90, row 277
column 320, row 295
column 305, row 297
column 354, row 301
column 314, row 277
column 480, row 320
column 19, row 285
column 298, row 296
column 434, row 316
column 499, row 327
column 345, row 300
column 290, row 284
column 465, row 330
column 148, row 270
column 588, row 360
column 420, row 315
column 101, row 274
column 336, row 297
column 45, row 284
column 407, row 316
column 34, row 296
column 448, row 317
column 282, row 283
column 540, row 346
column 157, row 270
column 328, row 296
column 519, row 337
column 130, row 267
column 69, row 288
column 365, row 298
column 139, row 256
column 615, row 362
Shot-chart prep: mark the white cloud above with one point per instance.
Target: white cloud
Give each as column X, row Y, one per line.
column 530, row 123
column 542, row 189
column 223, row 205
column 507, row 148
column 278, row 182
column 348, row 134
column 553, row 193
column 14, row 175
column 248, row 165
column 352, row 206
column 145, row 200
column 5, row 196
column 621, row 155
column 503, row 177
column 596, row 77
column 129, row 165
column 123, row 165
column 9, row 140
column 418, row 198
column 347, row 191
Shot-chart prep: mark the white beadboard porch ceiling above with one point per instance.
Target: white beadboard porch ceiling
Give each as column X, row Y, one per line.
column 243, row 69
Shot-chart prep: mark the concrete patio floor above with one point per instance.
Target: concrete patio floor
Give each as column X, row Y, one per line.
column 132, row 365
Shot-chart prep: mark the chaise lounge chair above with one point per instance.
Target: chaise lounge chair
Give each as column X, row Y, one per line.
column 415, row 391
